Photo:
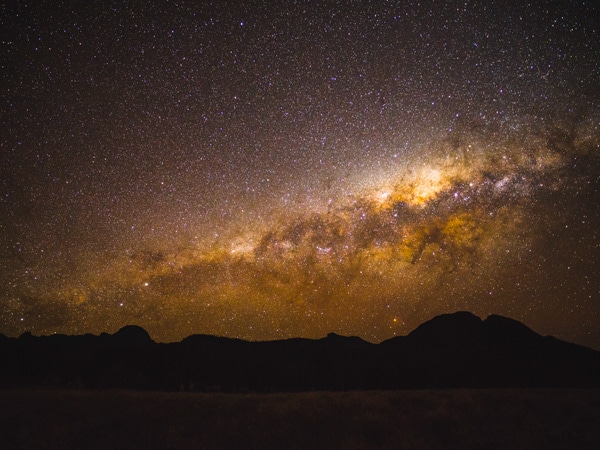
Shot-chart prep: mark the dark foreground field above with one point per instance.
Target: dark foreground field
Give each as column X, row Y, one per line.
column 448, row 419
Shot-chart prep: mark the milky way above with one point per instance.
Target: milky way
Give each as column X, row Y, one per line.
column 280, row 169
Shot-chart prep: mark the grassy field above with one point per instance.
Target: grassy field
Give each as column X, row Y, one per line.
column 448, row 419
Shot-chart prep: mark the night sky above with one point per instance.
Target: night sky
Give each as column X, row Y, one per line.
column 267, row 170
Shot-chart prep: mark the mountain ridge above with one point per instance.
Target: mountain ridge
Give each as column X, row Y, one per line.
column 449, row 351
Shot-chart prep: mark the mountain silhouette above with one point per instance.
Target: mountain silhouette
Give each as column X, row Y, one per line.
column 132, row 335
column 449, row 351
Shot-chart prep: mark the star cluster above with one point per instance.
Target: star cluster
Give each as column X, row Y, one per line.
column 275, row 169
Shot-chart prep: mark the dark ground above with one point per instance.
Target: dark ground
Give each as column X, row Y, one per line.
column 418, row 419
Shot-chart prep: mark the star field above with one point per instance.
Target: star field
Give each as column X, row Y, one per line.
column 275, row 169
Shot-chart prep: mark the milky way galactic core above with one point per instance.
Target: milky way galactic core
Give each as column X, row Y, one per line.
column 269, row 170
